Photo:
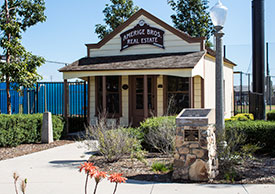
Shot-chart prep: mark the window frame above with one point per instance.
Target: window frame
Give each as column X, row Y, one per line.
column 109, row 115
column 167, row 92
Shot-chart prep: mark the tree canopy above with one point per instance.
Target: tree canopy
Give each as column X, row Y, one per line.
column 20, row 66
column 192, row 17
column 115, row 14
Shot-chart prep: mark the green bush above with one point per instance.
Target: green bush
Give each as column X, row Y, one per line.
column 114, row 141
column 19, row 128
column 159, row 134
column 242, row 117
column 270, row 116
column 233, row 150
column 161, row 167
column 154, row 123
column 261, row 133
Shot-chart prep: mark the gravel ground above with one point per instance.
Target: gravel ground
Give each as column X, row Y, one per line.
column 23, row 149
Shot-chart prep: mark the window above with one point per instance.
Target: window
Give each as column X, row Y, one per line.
column 113, row 95
column 178, row 96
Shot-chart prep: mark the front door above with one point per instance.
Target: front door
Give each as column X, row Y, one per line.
column 137, row 98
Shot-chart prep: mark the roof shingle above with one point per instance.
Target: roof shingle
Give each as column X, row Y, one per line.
column 136, row 62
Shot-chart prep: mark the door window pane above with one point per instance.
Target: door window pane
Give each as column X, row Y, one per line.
column 139, row 101
column 139, row 85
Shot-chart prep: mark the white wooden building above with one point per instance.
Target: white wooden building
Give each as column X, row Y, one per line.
column 147, row 68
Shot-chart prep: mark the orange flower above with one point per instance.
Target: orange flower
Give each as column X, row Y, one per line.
column 117, row 178
column 99, row 175
column 87, row 166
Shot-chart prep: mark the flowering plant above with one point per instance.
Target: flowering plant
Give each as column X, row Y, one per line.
column 93, row 172
column 116, row 178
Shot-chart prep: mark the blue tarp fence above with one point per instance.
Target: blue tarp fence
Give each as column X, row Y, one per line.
column 46, row 96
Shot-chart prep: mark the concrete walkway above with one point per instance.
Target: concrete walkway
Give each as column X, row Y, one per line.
column 54, row 171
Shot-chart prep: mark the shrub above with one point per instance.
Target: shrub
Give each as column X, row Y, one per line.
column 270, row 116
column 114, row 141
column 233, row 150
column 261, row 133
column 19, row 128
column 161, row 167
column 58, row 126
column 242, row 117
column 159, row 133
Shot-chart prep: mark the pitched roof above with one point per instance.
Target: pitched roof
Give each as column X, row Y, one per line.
column 140, row 12
column 136, row 62
column 213, row 54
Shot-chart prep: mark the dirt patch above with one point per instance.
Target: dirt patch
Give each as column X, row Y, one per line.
column 258, row 170
column 23, row 149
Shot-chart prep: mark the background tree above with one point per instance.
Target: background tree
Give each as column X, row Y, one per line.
column 115, row 14
column 192, row 17
column 20, row 66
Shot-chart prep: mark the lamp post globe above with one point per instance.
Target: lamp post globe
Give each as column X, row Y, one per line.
column 218, row 15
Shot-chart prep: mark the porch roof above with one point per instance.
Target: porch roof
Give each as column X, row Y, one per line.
column 136, row 62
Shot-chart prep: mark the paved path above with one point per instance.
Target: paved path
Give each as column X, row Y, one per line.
column 54, row 171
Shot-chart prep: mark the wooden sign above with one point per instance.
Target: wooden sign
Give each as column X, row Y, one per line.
column 142, row 33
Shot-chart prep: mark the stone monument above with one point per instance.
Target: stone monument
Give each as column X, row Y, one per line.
column 195, row 157
column 47, row 128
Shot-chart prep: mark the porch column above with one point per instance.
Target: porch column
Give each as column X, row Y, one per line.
column 66, row 106
column 145, row 96
column 104, row 94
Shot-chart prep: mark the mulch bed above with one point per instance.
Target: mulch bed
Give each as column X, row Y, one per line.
column 23, row 149
column 259, row 170
column 135, row 169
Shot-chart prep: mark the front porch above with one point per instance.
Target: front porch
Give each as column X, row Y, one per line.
column 134, row 87
column 124, row 97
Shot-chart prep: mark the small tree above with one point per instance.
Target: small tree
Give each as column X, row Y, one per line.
column 192, row 17
column 20, row 66
column 115, row 14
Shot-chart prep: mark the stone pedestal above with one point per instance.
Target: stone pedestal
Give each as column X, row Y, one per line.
column 47, row 128
column 195, row 157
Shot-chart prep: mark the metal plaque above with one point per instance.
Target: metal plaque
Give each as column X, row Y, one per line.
column 191, row 135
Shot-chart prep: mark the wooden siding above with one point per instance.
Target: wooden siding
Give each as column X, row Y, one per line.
column 197, row 92
column 93, row 119
column 160, row 96
column 210, row 86
column 172, row 43
column 125, row 102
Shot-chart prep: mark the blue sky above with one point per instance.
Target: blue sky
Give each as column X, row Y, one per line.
column 70, row 24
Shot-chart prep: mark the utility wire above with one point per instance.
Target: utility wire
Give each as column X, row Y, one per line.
column 245, row 44
column 57, row 62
